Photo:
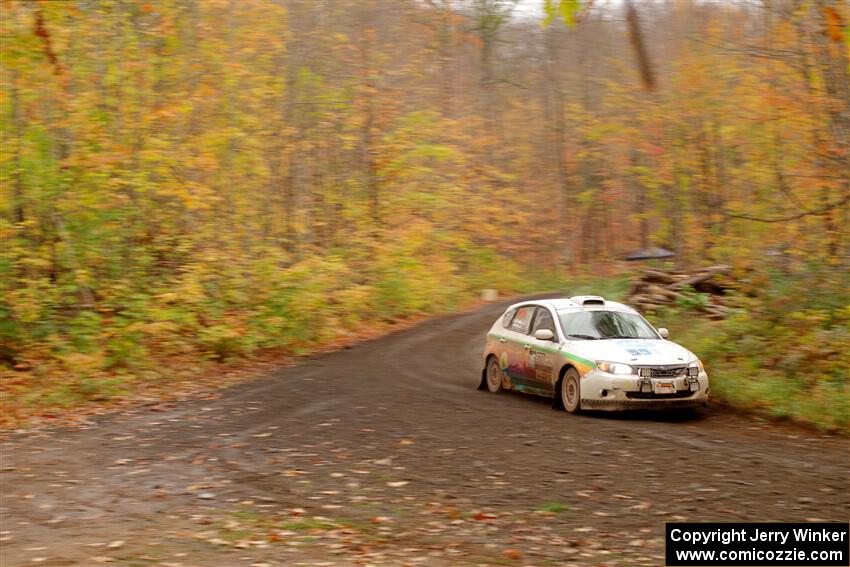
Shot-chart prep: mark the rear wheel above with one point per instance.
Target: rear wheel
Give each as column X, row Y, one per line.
column 571, row 391
column 494, row 375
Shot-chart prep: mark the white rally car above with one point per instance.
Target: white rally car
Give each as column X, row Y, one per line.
column 589, row 353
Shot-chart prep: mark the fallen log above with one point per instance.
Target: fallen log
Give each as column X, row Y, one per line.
column 716, row 270
column 636, row 287
column 654, row 288
column 657, row 276
column 710, row 287
column 664, row 292
column 700, row 277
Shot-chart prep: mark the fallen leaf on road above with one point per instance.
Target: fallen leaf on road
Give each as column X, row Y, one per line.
column 397, row 484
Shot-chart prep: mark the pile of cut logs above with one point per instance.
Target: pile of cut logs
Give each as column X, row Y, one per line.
column 653, row 288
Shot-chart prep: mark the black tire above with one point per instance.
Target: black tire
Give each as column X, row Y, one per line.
column 493, row 376
column 569, row 391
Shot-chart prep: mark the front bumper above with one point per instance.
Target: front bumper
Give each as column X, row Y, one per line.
column 603, row 391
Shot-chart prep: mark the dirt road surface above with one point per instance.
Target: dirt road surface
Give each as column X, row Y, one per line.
column 387, row 454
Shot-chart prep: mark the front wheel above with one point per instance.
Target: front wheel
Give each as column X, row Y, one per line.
column 494, row 375
column 571, row 391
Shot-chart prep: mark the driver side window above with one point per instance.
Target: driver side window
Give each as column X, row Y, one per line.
column 543, row 320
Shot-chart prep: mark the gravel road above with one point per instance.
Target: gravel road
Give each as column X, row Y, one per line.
column 387, row 454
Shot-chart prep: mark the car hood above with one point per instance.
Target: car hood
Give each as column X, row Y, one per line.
column 632, row 351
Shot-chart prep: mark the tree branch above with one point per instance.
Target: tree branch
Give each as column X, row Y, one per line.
column 820, row 211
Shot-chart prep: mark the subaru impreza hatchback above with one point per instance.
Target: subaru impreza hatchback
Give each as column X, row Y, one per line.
column 589, row 353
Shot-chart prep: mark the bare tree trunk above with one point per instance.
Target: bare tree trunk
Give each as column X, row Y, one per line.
column 447, row 83
column 290, row 143
column 553, row 72
column 640, row 192
column 832, row 58
column 490, row 17
column 367, row 142
column 18, row 213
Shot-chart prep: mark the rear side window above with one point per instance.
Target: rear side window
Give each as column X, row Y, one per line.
column 522, row 319
column 506, row 320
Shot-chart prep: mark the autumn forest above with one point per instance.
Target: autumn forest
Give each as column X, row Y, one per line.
column 211, row 180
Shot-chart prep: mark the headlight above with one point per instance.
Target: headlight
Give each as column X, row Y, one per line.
column 694, row 368
column 614, row 367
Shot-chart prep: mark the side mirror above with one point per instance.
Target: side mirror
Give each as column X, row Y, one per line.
column 544, row 335
column 663, row 332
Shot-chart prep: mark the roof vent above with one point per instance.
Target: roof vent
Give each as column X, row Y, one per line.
column 588, row 300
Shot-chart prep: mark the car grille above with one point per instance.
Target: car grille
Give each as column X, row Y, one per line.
column 663, row 371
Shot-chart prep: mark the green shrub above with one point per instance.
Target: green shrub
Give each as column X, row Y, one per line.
column 782, row 351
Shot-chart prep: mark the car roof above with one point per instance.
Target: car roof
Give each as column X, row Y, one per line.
column 564, row 304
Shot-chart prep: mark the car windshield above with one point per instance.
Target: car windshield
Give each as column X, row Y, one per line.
column 591, row 325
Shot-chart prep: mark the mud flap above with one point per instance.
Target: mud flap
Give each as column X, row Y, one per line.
column 557, row 403
column 482, row 385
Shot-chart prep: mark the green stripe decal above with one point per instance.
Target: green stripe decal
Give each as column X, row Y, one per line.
column 576, row 358
column 573, row 357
